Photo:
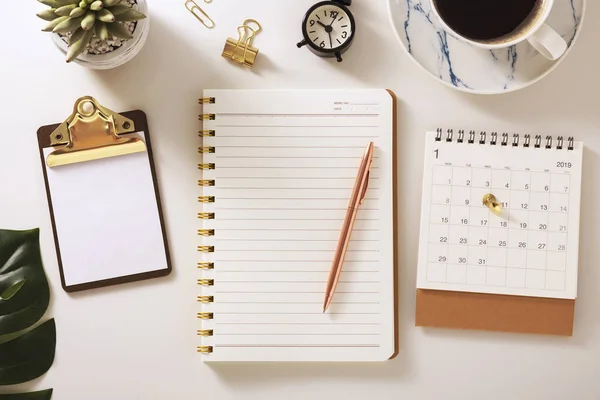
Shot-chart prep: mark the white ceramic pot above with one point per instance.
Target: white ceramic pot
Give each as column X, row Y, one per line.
column 120, row 56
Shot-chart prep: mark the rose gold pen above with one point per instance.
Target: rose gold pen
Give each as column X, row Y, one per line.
column 358, row 194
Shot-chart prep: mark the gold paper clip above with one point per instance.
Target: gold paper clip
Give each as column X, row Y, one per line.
column 492, row 203
column 241, row 50
column 200, row 13
column 92, row 132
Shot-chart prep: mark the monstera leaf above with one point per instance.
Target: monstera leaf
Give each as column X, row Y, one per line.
column 29, row 356
column 24, row 291
column 41, row 395
column 24, row 298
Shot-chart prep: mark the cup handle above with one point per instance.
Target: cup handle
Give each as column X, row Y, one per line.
column 549, row 43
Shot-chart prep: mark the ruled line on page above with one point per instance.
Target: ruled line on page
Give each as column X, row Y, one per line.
column 287, row 178
column 293, row 282
column 298, row 334
column 296, row 136
column 294, row 240
column 288, row 292
column 298, row 323
column 299, row 313
column 298, row 345
column 300, row 230
column 295, row 126
column 296, row 209
column 293, row 115
column 296, row 302
column 289, row 147
column 293, row 270
column 308, row 167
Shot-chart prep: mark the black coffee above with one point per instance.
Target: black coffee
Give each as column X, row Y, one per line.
column 485, row 19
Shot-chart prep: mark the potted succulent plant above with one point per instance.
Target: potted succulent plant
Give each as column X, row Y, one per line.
column 99, row 34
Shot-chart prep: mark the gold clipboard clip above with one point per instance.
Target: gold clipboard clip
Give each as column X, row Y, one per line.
column 241, row 51
column 92, row 132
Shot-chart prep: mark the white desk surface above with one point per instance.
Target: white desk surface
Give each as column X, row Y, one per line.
column 138, row 341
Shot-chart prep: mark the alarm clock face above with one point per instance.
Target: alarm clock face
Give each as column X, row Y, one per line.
column 328, row 27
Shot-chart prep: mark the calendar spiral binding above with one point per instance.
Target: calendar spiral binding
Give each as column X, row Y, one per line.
column 504, row 139
column 206, row 267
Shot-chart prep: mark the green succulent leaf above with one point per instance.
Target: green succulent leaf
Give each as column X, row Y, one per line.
column 41, row 395
column 50, row 27
column 119, row 30
column 105, row 16
column 119, row 9
column 47, row 15
column 67, row 2
column 110, row 3
column 101, row 30
column 20, row 261
column 68, row 26
column 77, row 12
column 97, row 5
column 83, row 4
column 77, row 47
column 87, row 23
column 77, row 35
column 51, row 3
column 130, row 15
column 29, row 356
column 65, row 11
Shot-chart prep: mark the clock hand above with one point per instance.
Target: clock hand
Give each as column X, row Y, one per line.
column 322, row 24
column 330, row 42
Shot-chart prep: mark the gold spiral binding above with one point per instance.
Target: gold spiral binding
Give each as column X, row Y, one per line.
column 206, row 282
column 206, row 117
column 206, row 149
column 206, row 232
column 206, row 249
column 206, row 299
column 205, row 315
column 206, row 166
column 205, row 332
column 206, row 133
column 205, row 349
column 206, row 215
column 206, row 265
column 206, row 182
column 206, row 199
column 206, row 100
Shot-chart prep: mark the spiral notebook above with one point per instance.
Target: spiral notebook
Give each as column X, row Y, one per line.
column 510, row 264
column 277, row 171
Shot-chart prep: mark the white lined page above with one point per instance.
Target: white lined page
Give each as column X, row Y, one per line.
column 285, row 163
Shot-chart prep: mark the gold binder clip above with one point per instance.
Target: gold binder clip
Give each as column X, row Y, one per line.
column 492, row 203
column 200, row 13
column 241, row 50
column 92, row 132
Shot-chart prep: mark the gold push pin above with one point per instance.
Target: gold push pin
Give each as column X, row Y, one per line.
column 492, row 203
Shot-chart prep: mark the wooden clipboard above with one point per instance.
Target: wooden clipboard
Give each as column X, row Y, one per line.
column 91, row 141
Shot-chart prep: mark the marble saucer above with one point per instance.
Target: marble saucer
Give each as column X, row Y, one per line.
column 470, row 69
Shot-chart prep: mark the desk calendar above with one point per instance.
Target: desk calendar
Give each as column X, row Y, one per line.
column 529, row 248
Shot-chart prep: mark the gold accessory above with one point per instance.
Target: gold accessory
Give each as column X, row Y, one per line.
column 92, row 132
column 200, row 13
column 241, row 51
column 205, row 349
column 492, row 203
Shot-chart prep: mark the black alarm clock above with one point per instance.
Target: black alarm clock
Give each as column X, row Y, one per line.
column 328, row 28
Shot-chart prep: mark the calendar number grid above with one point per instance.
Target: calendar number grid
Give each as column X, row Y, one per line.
column 525, row 247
